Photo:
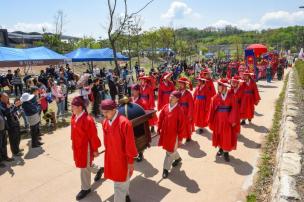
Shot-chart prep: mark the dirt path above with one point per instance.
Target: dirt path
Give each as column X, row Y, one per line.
column 48, row 174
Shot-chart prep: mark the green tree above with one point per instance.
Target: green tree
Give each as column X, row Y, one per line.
column 150, row 41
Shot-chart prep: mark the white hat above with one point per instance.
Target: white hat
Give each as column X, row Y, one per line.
column 26, row 97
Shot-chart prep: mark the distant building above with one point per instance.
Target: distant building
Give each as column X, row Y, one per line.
column 3, row 37
column 13, row 39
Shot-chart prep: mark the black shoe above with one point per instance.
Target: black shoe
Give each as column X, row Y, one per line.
column 243, row 122
column 40, row 143
column 176, row 162
column 220, row 152
column 18, row 154
column 98, row 174
column 140, row 157
column 128, row 198
column 82, row 194
column 165, row 173
column 36, row 145
column 7, row 159
column 2, row 165
column 188, row 139
column 226, row 156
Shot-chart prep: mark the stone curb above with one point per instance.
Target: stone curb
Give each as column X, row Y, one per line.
column 290, row 149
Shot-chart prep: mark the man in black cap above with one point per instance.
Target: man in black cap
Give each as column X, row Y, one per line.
column 9, row 111
column 3, row 142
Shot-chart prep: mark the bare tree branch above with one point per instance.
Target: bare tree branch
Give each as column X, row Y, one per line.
column 115, row 33
column 147, row 4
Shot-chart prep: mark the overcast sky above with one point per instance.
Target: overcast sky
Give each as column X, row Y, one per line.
column 89, row 17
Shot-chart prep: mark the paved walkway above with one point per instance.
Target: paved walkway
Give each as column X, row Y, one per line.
column 48, row 174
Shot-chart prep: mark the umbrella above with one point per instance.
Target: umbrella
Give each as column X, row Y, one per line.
column 258, row 49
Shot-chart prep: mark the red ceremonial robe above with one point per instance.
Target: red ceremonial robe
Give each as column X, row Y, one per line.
column 223, row 114
column 83, row 134
column 147, row 94
column 186, row 103
column 250, row 98
column 141, row 102
column 120, row 149
column 211, row 87
column 238, row 95
column 229, row 71
column 170, row 127
column 164, row 91
column 202, row 100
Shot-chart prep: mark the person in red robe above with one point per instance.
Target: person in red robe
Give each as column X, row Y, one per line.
column 206, row 74
column 166, row 86
column 186, row 103
column 120, row 149
column 229, row 70
column 241, row 69
column 170, row 128
column 136, row 98
column 250, row 99
column 202, row 99
column 147, row 94
column 238, row 92
column 85, row 144
column 146, row 91
column 222, row 120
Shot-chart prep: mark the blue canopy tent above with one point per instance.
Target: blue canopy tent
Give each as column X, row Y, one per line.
column 209, row 55
column 13, row 57
column 11, row 54
column 79, row 55
column 164, row 50
column 86, row 54
column 43, row 53
column 108, row 55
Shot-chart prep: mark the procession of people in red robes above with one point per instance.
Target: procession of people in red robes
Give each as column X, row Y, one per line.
column 179, row 110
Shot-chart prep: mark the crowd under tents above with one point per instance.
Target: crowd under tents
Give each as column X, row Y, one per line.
column 16, row 57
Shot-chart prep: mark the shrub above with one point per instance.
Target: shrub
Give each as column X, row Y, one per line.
column 300, row 70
